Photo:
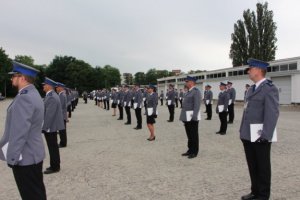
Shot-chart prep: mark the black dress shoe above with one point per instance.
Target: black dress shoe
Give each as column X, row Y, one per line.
column 229, row 122
column 127, row 123
column 185, row 154
column 222, row 133
column 169, row 120
column 48, row 168
column 248, row 197
column 137, row 128
column 120, row 119
column 192, row 156
column 51, row 171
column 218, row 132
column 207, row 119
column 151, row 139
column 62, row 146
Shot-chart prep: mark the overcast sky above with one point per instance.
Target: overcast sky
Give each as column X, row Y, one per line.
column 136, row 35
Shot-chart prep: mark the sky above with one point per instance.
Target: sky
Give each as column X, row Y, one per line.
column 137, row 35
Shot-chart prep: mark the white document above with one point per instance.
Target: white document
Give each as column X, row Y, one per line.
column 166, row 97
column 189, row 115
column 118, row 102
column 230, row 102
column 169, row 102
column 207, row 102
column 150, row 111
column 4, row 150
column 255, row 132
column 144, row 98
column 221, row 108
column 180, row 98
column 135, row 105
column 124, row 103
column 129, row 104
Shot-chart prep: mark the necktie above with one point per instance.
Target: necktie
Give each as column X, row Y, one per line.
column 253, row 88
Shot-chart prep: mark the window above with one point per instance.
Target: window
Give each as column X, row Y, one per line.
column 235, row 73
column 223, row 74
column 241, row 72
column 269, row 69
column 230, row 74
column 275, row 68
column 293, row 66
column 284, row 67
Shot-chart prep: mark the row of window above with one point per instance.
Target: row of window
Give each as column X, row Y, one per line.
column 241, row 72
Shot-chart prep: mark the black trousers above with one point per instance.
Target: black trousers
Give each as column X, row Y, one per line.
column 51, row 139
column 161, row 102
column 180, row 101
column 107, row 104
column 259, row 164
column 104, row 103
column 138, row 115
column 73, row 105
column 63, row 135
column 176, row 102
column 29, row 180
column 69, row 109
column 96, row 101
column 231, row 112
column 208, row 110
column 120, row 111
column 223, row 120
column 85, row 100
column 191, row 129
column 171, row 111
column 128, row 113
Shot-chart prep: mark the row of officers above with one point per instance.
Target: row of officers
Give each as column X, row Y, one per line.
column 261, row 109
column 22, row 145
column 29, row 116
column 126, row 98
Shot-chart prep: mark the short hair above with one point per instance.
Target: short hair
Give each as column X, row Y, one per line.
column 29, row 79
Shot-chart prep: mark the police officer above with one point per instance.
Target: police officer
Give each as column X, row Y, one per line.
column 53, row 122
column 161, row 97
column 137, row 106
column 176, row 98
column 114, row 103
column 261, row 107
column 208, row 97
column 127, row 104
column 22, row 137
column 232, row 93
column 247, row 86
column 60, row 89
column 180, row 97
column 222, row 108
column 171, row 102
column 151, row 110
column 120, row 99
column 190, row 116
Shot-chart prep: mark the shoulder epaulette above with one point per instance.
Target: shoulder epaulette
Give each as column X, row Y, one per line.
column 24, row 92
column 269, row 82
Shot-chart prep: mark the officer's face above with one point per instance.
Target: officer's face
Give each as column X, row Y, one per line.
column 15, row 80
column 254, row 72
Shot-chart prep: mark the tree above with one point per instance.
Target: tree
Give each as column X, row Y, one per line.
column 5, row 67
column 112, row 76
column 254, row 37
column 27, row 60
column 151, row 76
column 140, row 78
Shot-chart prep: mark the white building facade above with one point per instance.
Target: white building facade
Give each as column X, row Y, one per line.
column 284, row 73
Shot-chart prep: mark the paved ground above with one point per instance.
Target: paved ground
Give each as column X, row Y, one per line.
column 107, row 160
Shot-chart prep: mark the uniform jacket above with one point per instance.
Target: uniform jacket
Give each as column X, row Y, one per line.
column 223, row 99
column 208, row 95
column 23, row 129
column 63, row 102
column 232, row 94
column 114, row 97
column 161, row 96
column 152, row 100
column 191, row 102
column 127, row 98
column 171, row 96
column 138, row 98
column 53, row 120
column 261, row 107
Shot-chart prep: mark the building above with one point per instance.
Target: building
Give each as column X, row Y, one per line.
column 176, row 72
column 285, row 74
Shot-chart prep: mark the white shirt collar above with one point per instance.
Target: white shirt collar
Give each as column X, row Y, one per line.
column 191, row 88
column 259, row 82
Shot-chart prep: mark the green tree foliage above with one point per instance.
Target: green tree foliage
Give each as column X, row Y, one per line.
column 140, row 78
column 5, row 67
column 254, row 37
column 27, row 60
column 151, row 76
column 112, row 76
